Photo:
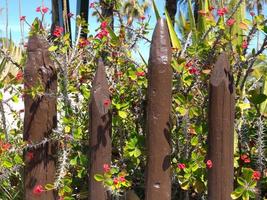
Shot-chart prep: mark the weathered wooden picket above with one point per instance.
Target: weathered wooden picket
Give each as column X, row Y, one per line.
column 40, row 119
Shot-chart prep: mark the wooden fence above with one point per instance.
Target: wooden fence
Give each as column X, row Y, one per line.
column 40, row 119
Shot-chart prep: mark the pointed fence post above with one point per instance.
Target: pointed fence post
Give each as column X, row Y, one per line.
column 100, row 132
column 158, row 177
column 221, row 131
column 39, row 120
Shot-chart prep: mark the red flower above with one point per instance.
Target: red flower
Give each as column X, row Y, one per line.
column 244, row 157
column 193, row 70
column 209, row 164
column 102, row 33
column 143, row 17
column 38, row 189
column 6, row 146
column 247, row 160
column 256, row 175
column 252, row 14
column 244, row 44
column 58, row 31
column 22, row 18
column 181, row 166
column 92, row 5
column 106, row 168
column 140, row 73
column 104, row 25
column 189, row 64
column 29, row 155
column 44, row 9
column 222, row 11
column 83, row 43
column 107, row 102
column 38, row 9
column 211, row 8
column 115, row 181
column 122, row 179
column 19, row 76
column 230, row 22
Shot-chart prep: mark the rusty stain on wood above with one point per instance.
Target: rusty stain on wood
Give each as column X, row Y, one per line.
column 158, row 177
column 39, row 120
column 99, row 132
column 221, row 131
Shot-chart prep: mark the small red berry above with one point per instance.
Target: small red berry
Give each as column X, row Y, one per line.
column 209, row 164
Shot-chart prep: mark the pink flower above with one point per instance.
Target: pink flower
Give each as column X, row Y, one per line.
column 38, row 189
column 181, row 166
column 92, row 5
column 107, row 102
column 38, row 9
column 140, row 73
column 209, row 164
column 252, row 13
column 106, row 168
column 104, row 25
column 58, row 31
column 122, row 179
column 256, row 175
column 230, row 22
column 22, row 18
column 225, row 9
column 115, row 181
column 247, row 160
column 44, row 9
column 244, row 44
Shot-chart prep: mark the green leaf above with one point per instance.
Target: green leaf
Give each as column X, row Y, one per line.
column 174, row 38
column 98, row 177
column 156, row 10
column 192, row 21
column 49, row 186
column 237, row 193
column 108, row 182
column 258, row 98
column 123, row 114
column 194, row 141
column 241, row 181
column 53, row 48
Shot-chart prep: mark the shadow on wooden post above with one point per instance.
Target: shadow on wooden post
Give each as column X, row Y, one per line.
column 100, row 132
column 221, row 131
column 39, row 120
column 158, row 177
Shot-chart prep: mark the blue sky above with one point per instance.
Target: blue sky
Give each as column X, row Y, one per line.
column 28, row 8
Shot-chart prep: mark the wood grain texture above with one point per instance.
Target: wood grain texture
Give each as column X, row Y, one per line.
column 221, row 131
column 40, row 118
column 99, row 132
column 159, row 94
